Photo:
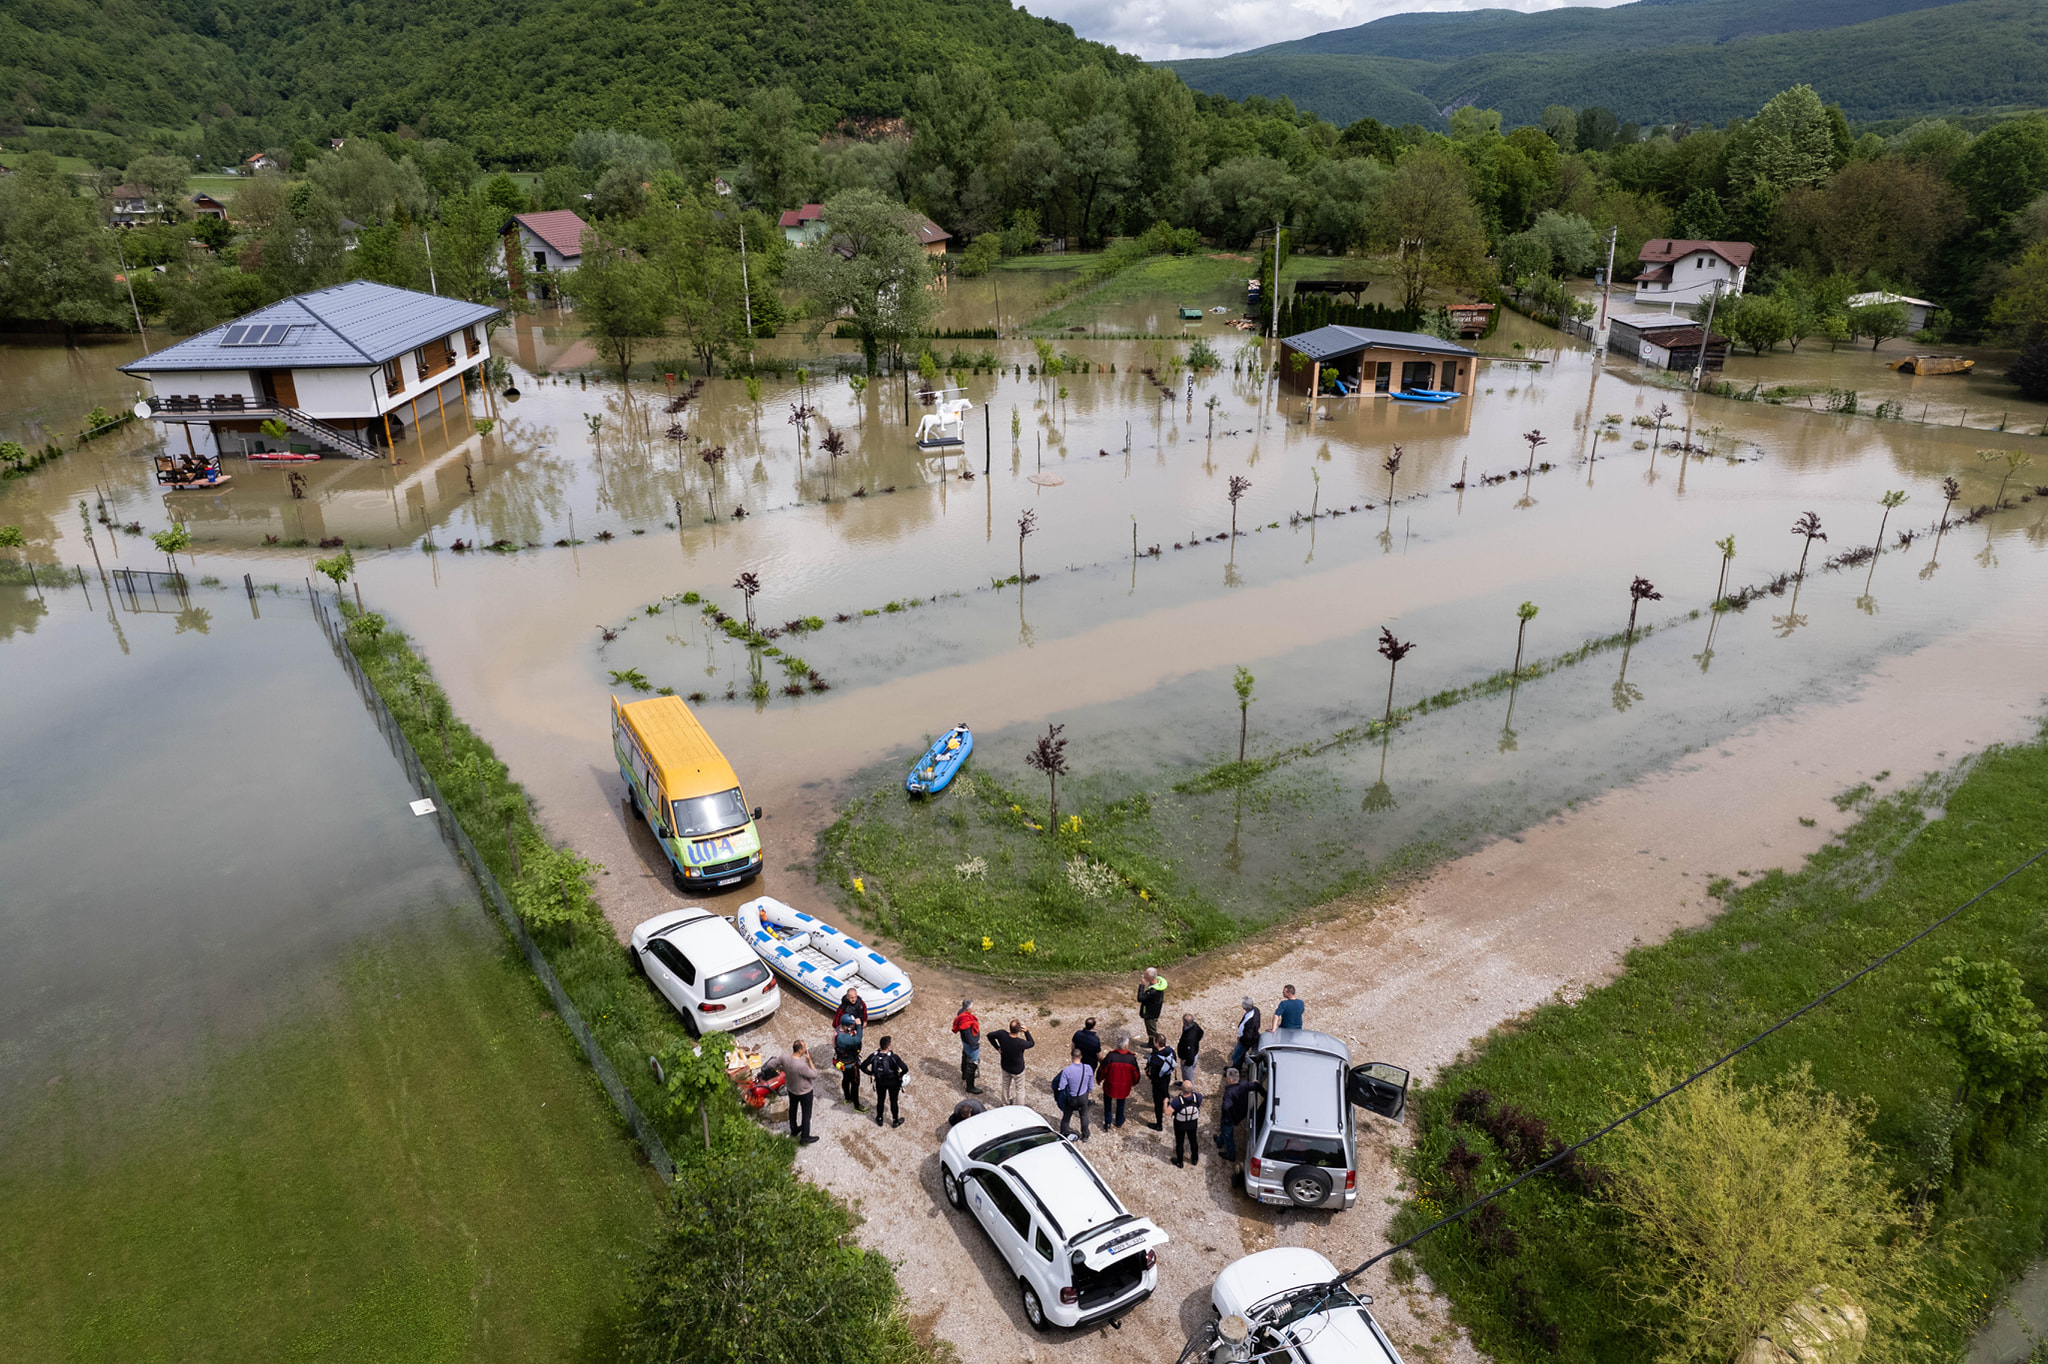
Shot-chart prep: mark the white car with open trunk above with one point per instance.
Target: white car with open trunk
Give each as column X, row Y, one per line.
column 1079, row 1255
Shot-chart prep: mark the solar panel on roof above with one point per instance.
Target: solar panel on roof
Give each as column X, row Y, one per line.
column 276, row 335
column 234, row 336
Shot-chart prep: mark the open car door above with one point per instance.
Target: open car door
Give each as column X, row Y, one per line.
column 1379, row 1087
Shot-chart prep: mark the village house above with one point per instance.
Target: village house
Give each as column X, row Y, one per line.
column 131, row 206
column 1370, row 361
column 347, row 370
column 261, row 161
column 931, row 236
column 542, row 243
column 206, row 206
column 804, row 226
column 1916, row 308
column 1682, row 273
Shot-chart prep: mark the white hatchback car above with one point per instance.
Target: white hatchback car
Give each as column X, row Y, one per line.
column 701, row 965
column 1079, row 1256
column 1287, row 1314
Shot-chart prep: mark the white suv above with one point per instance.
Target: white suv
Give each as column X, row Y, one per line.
column 702, row 965
column 1303, row 1147
column 1281, row 1305
column 1078, row 1255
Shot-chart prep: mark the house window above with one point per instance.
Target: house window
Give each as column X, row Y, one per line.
column 469, row 340
column 419, row 357
column 540, row 260
column 1700, row 262
column 394, row 377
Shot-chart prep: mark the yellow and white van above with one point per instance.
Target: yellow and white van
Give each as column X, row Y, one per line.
column 678, row 781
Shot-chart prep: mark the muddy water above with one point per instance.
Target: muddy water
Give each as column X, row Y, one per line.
column 193, row 830
column 1133, row 656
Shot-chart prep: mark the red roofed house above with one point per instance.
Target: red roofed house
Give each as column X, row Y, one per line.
column 803, row 226
column 547, row 242
column 931, row 236
column 1686, row 272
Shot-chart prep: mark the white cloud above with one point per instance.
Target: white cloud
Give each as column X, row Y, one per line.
column 1159, row 29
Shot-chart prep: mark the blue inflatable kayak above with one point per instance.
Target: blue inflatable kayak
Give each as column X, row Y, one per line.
column 1428, row 395
column 940, row 762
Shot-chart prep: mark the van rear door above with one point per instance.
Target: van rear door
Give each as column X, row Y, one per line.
column 1119, row 1240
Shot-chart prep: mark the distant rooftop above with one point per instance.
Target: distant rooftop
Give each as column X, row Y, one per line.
column 797, row 217
column 560, row 228
column 1665, row 249
column 930, row 233
column 348, row 326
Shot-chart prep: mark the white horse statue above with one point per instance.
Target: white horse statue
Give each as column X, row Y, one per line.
column 945, row 424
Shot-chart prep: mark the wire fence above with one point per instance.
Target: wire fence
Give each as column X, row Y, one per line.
column 494, row 894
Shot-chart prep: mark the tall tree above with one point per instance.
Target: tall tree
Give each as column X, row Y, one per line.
column 620, row 299
column 872, row 272
column 1790, row 142
column 1426, row 216
column 60, row 261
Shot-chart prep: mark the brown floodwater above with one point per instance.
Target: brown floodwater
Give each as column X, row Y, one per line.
column 1133, row 656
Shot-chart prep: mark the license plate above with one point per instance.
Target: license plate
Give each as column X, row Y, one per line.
column 730, row 881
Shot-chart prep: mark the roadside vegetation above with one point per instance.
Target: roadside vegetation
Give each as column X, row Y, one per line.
column 1907, row 1113
column 747, row 1250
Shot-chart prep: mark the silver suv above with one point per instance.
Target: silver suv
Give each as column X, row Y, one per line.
column 1303, row 1147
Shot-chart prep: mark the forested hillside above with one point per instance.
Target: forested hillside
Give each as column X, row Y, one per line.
column 513, row 81
column 1660, row 62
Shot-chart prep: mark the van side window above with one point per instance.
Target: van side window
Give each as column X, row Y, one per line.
column 665, row 952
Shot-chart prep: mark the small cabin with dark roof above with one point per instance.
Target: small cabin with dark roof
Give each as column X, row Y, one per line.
column 1368, row 360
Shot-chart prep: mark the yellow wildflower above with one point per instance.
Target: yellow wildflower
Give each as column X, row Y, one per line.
column 1143, row 896
column 1028, row 946
column 858, row 887
column 987, row 944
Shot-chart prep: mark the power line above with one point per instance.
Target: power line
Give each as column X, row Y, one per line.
column 1699, row 1074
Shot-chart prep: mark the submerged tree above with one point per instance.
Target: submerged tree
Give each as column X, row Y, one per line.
column 1807, row 525
column 748, row 584
column 1027, row 525
column 1662, row 414
column 1727, row 548
column 2015, row 460
column 1950, row 491
column 1536, row 440
column 1242, row 684
column 1639, row 591
column 1049, row 755
column 1890, row 502
column 1392, row 650
column 712, row 458
column 1392, row 464
column 1239, row 486
column 1524, row 613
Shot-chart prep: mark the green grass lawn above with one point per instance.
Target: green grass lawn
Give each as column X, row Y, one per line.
column 420, row 1167
column 1779, row 942
column 1073, row 260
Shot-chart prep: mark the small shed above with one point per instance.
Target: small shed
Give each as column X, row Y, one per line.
column 1916, row 308
column 1369, row 360
column 931, row 236
column 1666, row 340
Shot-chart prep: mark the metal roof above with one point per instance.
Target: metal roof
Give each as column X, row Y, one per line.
column 1325, row 342
column 348, row 326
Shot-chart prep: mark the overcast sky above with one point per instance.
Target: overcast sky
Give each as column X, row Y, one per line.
column 1156, row 29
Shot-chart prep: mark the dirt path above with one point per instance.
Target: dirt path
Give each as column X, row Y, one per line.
column 1544, row 914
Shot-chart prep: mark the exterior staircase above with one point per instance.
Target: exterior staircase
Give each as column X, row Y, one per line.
column 331, row 435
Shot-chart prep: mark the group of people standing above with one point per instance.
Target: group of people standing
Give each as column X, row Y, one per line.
column 1168, row 1066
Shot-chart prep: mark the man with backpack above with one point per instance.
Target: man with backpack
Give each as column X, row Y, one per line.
column 968, row 1028
column 846, row 1056
column 1070, row 1090
column 887, row 1070
column 1159, row 1069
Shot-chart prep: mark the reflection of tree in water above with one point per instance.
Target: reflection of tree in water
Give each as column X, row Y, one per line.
column 1705, row 657
column 1507, row 726
column 1626, row 693
column 1791, row 620
column 512, row 497
column 1381, row 796
column 194, row 618
column 27, row 612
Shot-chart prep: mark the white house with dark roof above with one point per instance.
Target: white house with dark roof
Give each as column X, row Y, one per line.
column 546, row 243
column 131, row 206
column 348, row 369
column 1685, row 272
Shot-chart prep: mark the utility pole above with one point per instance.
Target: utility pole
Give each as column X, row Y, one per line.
column 123, row 257
column 1606, row 288
column 1276, row 279
column 432, row 285
column 1706, row 337
column 746, row 290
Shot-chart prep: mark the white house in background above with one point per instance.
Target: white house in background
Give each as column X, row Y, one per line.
column 548, row 242
column 347, row 369
column 131, row 206
column 1916, row 308
column 1682, row 273
column 804, row 226
column 261, row 161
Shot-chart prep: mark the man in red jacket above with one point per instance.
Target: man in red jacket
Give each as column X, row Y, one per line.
column 968, row 1028
column 1119, row 1074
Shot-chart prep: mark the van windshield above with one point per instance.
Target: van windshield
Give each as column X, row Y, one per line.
column 710, row 814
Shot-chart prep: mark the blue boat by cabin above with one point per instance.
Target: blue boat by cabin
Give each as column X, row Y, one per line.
column 1428, row 395
column 940, row 762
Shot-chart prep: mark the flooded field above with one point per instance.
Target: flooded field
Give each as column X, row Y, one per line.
column 902, row 556
column 270, row 1084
